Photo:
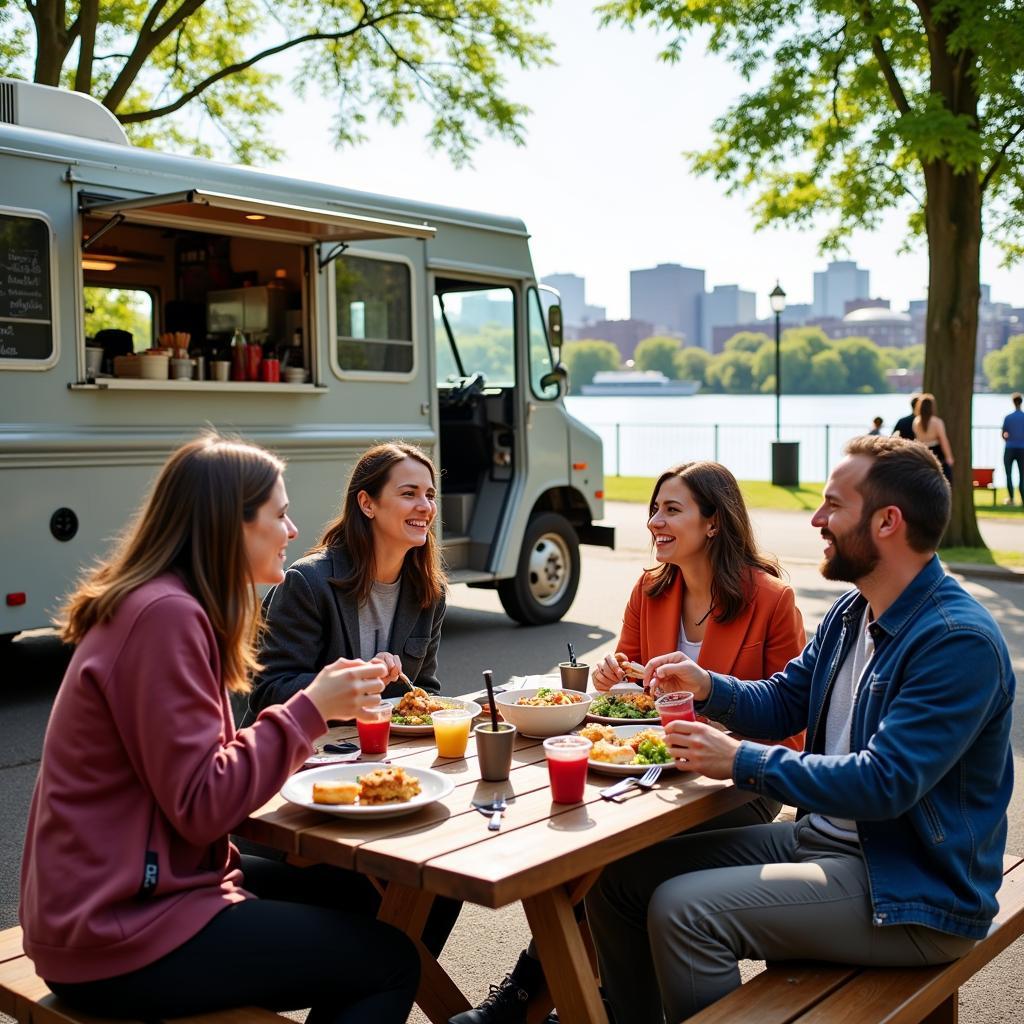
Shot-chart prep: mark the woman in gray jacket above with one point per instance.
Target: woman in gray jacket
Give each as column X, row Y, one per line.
column 373, row 588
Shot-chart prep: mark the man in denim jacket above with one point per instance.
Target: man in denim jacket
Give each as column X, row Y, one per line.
column 906, row 692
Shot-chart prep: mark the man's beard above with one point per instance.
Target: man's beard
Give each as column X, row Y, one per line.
column 853, row 557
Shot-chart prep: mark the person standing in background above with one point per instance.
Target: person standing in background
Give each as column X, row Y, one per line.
column 905, row 424
column 930, row 431
column 1013, row 435
column 876, row 427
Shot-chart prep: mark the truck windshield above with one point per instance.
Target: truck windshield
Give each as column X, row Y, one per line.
column 475, row 330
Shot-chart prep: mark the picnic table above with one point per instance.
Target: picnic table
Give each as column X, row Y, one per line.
column 545, row 855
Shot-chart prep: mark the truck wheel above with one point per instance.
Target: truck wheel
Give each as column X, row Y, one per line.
column 548, row 574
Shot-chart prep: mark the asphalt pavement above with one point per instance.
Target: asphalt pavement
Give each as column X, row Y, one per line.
column 478, row 636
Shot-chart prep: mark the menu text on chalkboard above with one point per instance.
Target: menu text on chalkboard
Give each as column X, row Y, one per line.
column 26, row 314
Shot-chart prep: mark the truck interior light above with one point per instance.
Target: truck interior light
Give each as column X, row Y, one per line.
column 255, row 216
column 92, row 263
column 16, row 599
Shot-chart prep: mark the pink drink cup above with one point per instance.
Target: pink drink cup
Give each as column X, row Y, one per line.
column 567, row 767
column 673, row 707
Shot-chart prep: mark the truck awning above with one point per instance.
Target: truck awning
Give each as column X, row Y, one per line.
column 199, row 210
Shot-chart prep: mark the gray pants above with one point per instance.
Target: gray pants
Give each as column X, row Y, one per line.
column 675, row 919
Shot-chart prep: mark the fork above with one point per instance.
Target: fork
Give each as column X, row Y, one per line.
column 645, row 781
column 495, row 809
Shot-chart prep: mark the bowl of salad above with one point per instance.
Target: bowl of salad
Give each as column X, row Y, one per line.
column 545, row 711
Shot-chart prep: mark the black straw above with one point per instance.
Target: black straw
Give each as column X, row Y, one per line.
column 572, row 655
column 489, row 683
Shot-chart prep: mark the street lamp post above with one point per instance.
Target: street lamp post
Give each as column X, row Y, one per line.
column 785, row 454
column 777, row 298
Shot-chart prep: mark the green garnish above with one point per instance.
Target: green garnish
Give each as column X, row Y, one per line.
column 609, row 707
column 652, row 752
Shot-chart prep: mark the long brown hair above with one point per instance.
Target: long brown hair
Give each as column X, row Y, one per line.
column 926, row 409
column 732, row 550
column 351, row 530
column 191, row 523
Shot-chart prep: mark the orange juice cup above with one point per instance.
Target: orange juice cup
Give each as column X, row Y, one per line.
column 451, row 731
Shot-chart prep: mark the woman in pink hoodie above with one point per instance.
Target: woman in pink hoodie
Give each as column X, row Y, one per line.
column 133, row 900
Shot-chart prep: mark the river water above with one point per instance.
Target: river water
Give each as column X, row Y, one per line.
column 644, row 435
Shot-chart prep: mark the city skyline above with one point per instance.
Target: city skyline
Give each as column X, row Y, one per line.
column 602, row 184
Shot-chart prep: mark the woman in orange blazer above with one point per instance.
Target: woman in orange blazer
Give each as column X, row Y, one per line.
column 713, row 595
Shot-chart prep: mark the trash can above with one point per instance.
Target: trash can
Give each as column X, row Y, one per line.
column 786, row 463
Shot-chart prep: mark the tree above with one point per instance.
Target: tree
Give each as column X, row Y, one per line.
column 657, row 353
column 584, row 358
column 732, row 372
column 864, row 105
column 746, row 341
column 692, row 364
column 1005, row 367
column 864, row 364
column 146, row 60
column 828, row 374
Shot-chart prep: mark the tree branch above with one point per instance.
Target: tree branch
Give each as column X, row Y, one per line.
column 85, row 27
column 885, row 65
column 998, row 159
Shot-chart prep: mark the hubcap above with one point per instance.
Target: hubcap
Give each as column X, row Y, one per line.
column 549, row 569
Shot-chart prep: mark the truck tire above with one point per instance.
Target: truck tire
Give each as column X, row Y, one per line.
column 548, row 573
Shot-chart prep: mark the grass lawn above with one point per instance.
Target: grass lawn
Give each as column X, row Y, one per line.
column 805, row 498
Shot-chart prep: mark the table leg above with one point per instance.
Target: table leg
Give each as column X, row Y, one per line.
column 563, row 953
column 406, row 908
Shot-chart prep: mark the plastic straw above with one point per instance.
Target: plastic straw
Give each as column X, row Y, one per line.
column 489, row 683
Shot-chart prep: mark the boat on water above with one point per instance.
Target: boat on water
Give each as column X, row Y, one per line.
column 638, row 382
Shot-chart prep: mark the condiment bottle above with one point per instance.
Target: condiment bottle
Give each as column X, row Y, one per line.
column 238, row 355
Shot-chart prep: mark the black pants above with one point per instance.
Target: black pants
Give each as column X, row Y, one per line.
column 311, row 939
column 1014, row 457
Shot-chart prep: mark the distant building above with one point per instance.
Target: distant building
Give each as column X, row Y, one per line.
column 625, row 335
column 572, row 288
column 797, row 314
column 880, row 324
column 723, row 332
column 591, row 314
column 669, row 296
column 725, row 304
column 840, row 282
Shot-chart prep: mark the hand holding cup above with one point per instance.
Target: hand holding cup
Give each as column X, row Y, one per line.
column 345, row 686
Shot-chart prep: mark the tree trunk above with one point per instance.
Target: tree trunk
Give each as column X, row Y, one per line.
column 51, row 41
column 953, row 217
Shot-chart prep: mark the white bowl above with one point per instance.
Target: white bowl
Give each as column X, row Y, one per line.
column 541, row 722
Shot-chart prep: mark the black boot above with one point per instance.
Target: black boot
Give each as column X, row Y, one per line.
column 506, row 1003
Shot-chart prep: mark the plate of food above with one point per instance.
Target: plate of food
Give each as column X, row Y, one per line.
column 411, row 715
column 621, row 707
column 366, row 790
column 626, row 749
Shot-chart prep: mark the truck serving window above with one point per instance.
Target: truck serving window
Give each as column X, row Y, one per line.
column 374, row 305
column 26, row 290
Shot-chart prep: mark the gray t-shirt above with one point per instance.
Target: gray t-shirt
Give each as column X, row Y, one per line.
column 375, row 618
column 839, row 722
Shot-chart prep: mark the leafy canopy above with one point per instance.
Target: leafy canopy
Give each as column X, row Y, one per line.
column 153, row 61
column 846, row 105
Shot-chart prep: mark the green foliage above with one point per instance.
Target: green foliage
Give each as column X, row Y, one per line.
column 746, row 341
column 692, row 364
column 811, row 364
column 584, row 358
column 851, row 101
column 126, row 309
column 147, row 61
column 1005, row 367
column 657, row 353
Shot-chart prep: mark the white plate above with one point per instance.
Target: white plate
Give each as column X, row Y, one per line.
column 428, row 730
column 299, row 790
column 625, row 731
column 606, row 720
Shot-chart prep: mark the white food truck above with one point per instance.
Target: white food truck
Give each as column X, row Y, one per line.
column 305, row 317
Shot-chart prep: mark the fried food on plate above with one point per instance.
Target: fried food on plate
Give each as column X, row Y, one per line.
column 389, row 785
column 336, row 792
column 612, row 753
column 594, row 732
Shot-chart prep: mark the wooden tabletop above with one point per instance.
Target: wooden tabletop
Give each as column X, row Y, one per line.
column 446, row 848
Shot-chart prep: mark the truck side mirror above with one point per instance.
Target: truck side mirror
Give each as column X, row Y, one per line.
column 555, row 326
column 558, row 375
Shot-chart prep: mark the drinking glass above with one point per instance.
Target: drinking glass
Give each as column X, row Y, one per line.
column 567, row 767
column 374, row 727
column 451, row 731
column 675, row 706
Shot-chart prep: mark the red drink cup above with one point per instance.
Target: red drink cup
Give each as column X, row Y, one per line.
column 270, row 370
column 374, row 727
column 253, row 358
column 567, row 767
column 673, row 707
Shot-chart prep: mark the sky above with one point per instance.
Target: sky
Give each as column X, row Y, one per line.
column 602, row 183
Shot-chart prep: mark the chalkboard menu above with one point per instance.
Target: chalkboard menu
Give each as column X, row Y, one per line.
column 26, row 314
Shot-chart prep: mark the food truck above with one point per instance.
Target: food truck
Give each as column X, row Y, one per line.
column 145, row 296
